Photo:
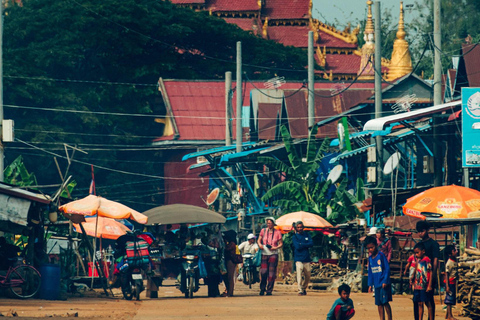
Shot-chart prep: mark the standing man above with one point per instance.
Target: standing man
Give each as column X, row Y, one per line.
column 384, row 244
column 301, row 243
column 269, row 240
column 432, row 250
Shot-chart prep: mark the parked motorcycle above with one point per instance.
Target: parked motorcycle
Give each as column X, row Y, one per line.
column 190, row 277
column 132, row 282
column 249, row 270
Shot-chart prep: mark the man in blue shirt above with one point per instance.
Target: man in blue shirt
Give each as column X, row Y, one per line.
column 379, row 278
column 301, row 243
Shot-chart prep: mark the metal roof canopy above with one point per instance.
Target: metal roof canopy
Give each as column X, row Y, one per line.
column 381, row 123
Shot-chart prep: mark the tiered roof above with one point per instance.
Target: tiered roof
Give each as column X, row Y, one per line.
column 229, row 5
column 286, row 9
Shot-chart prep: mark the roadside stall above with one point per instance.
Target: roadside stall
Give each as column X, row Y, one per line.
column 96, row 206
column 177, row 253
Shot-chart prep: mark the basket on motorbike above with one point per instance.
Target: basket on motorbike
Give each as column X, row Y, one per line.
column 137, row 253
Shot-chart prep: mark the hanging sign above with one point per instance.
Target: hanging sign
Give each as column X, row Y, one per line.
column 470, row 127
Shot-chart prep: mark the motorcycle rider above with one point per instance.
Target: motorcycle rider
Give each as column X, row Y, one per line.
column 249, row 246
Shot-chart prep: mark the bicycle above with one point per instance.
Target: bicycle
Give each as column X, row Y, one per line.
column 23, row 281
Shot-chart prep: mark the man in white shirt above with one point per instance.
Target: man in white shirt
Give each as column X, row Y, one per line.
column 249, row 246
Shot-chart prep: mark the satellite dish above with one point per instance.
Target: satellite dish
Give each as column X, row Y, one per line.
column 212, row 196
column 392, row 163
column 335, row 173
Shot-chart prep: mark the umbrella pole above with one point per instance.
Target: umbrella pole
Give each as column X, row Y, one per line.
column 438, row 273
column 97, row 266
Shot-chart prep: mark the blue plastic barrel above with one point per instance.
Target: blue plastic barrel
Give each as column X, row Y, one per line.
column 50, row 287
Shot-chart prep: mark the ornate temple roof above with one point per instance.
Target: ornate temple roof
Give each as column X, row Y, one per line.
column 229, row 5
column 286, row 9
column 185, row 2
column 250, row 24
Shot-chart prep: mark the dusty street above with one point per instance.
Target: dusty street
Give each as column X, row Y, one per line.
column 284, row 304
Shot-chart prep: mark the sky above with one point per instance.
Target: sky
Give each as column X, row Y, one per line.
column 341, row 12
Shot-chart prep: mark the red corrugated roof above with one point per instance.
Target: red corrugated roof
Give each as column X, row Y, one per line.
column 471, row 55
column 198, row 107
column 297, row 111
column 267, row 120
column 188, row 1
column 232, row 5
column 286, row 9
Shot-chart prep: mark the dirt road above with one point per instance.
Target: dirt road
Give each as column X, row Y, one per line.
column 283, row 304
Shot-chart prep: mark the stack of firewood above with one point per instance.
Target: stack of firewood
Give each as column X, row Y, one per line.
column 469, row 283
column 319, row 271
column 327, row 271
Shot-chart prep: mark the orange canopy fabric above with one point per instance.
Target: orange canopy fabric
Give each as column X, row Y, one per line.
column 310, row 221
column 106, row 228
column 92, row 205
column 452, row 202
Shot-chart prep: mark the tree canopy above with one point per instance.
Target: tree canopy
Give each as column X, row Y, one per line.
column 85, row 74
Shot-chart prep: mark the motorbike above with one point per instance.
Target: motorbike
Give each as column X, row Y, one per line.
column 135, row 263
column 132, row 282
column 190, row 275
column 249, row 270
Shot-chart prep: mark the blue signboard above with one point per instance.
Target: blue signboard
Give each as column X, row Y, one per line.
column 471, row 127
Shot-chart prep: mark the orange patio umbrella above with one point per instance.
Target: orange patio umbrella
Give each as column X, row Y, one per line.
column 96, row 205
column 310, row 221
column 451, row 202
column 104, row 228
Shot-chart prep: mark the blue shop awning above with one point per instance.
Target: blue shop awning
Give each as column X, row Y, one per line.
column 395, row 137
column 215, row 150
column 236, row 156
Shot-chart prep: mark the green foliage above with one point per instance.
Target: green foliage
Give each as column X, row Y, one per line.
column 16, row 173
column 96, row 58
column 458, row 20
column 301, row 191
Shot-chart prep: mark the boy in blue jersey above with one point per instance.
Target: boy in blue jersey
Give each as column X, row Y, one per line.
column 379, row 278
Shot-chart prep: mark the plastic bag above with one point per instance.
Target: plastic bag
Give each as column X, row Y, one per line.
column 257, row 260
column 202, row 270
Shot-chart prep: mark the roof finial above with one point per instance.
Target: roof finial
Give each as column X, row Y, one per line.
column 310, row 6
column 401, row 24
column 369, row 28
column 264, row 29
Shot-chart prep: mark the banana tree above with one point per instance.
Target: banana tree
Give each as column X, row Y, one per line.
column 301, row 190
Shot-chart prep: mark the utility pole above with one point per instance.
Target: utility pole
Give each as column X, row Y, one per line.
column 378, row 88
column 239, row 96
column 311, row 80
column 228, row 101
column 437, row 93
column 2, row 153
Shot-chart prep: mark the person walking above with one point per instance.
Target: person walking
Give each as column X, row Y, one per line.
column 232, row 254
column 432, row 250
column 301, row 255
column 269, row 241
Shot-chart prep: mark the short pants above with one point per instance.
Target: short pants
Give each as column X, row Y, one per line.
column 383, row 296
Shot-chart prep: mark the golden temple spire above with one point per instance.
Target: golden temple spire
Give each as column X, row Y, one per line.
column 369, row 28
column 310, row 6
column 401, row 62
column 366, row 71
